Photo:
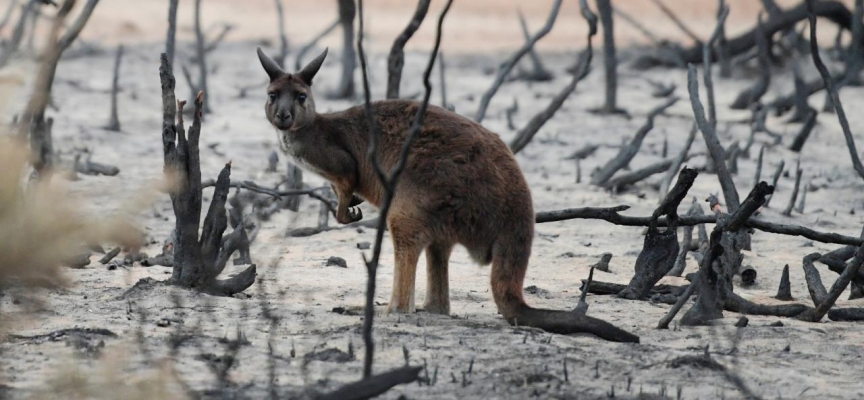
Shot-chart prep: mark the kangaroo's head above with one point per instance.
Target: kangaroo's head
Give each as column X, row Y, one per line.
column 290, row 105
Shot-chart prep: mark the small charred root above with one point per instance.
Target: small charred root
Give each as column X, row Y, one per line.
column 567, row 322
column 784, row 292
column 804, row 133
column 197, row 262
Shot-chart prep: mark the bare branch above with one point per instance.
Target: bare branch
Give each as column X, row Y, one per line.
column 396, row 59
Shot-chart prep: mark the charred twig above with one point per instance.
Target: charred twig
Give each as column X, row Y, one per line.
column 508, row 65
column 10, row 48
column 626, row 154
column 752, row 94
column 539, row 73
column 677, row 162
column 670, row 315
column 298, row 62
column 283, row 39
column 388, row 181
column 396, row 59
column 788, row 211
column 524, row 136
column 718, row 155
column 804, row 133
column 200, row 53
column 832, row 90
column 800, row 95
column 623, row 180
column 114, row 121
column 611, row 214
column 777, row 173
column 639, row 27
column 800, row 207
column 684, row 248
column 676, row 20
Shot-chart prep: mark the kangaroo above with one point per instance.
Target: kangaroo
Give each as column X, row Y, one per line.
column 461, row 185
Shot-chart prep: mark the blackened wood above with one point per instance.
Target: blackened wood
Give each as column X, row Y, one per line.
column 784, row 292
column 846, row 314
column 804, row 133
column 347, row 12
column 814, row 280
column 832, row 90
column 627, row 152
column 170, row 37
column 676, row 163
column 851, row 270
column 538, row 72
column 511, row 62
column 752, row 94
column 374, row 386
column 283, row 39
column 114, row 121
column 396, row 59
column 718, row 155
column 610, row 60
column 788, row 210
column 777, row 173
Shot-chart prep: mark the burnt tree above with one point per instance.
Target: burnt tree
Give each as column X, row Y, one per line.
column 197, row 261
column 33, row 122
column 347, row 12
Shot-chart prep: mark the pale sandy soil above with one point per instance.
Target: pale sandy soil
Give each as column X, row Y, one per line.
column 797, row 360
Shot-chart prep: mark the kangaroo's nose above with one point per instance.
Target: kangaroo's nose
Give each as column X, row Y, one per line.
column 283, row 116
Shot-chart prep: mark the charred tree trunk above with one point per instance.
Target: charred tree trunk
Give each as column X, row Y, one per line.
column 283, row 39
column 197, row 262
column 396, row 59
column 33, row 122
column 610, row 60
column 347, row 12
column 171, row 37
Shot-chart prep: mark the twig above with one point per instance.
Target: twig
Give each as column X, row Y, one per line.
column 676, row 21
column 677, row 162
column 524, row 136
column 539, row 72
column 626, row 154
column 752, row 94
column 832, row 91
column 374, row 386
column 804, row 133
column 717, row 153
column 200, row 54
column 777, row 173
column 788, row 211
column 114, row 122
column 396, row 59
column 298, row 62
column 508, row 65
column 611, row 214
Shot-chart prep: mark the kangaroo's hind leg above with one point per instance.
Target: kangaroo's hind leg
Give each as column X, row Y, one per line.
column 437, row 283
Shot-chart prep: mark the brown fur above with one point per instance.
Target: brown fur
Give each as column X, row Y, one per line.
column 461, row 185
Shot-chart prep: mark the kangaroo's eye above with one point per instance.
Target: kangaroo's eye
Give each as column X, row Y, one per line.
column 301, row 98
column 272, row 96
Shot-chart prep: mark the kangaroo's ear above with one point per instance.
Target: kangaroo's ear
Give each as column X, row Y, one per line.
column 270, row 66
column 308, row 72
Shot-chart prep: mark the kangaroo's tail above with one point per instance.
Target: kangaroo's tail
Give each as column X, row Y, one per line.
column 509, row 263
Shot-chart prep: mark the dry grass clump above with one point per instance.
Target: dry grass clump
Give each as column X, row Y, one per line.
column 41, row 226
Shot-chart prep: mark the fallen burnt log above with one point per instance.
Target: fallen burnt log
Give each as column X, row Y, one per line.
column 835, row 11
